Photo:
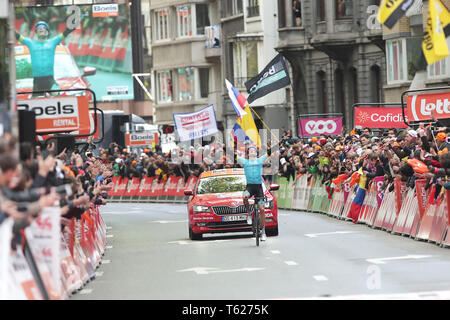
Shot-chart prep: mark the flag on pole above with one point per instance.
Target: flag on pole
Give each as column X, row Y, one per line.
column 245, row 127
column 391, row 11
column 273, row 77
column 434, row 44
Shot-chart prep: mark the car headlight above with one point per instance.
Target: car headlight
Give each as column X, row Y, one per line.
column 268, row 204
column 198, row 209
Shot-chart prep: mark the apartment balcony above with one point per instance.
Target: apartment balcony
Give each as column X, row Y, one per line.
column 213, row 47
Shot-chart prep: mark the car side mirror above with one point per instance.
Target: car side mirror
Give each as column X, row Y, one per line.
column 89, row 71
column 188, row 192
column 274, row 187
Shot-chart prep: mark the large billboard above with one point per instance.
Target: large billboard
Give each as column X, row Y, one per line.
column 73, row 47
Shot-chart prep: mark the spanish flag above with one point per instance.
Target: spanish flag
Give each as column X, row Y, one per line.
column 358, row 201
column 434, row 44
column 393, row 10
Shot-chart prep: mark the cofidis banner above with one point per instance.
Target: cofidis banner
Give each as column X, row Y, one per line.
column 274, row 76
column 379, row 117
column 190, row 126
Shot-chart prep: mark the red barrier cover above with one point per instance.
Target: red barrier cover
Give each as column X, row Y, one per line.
column 113, row 192
column 170, row 187
column 145, row 187
column 427, row 220
column 132, row 188
column 121, row 187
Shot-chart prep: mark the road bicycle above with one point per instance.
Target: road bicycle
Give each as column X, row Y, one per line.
column 254, row 213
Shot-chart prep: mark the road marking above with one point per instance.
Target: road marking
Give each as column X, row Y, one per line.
column 291, row 263
column 106, row 261
column 383, row 260
column 320, row 278
column 86, row 291
column 275, row 251
column 108, row 228
column 315, row 235
column 108, row 247
column 99, row 273
column 207, row 270
column 429, row 295
column 110, row 236
column 168, row 221
column 184, row 242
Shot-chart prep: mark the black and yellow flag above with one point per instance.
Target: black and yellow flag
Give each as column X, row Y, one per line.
column 393, row 10
column 434, row 44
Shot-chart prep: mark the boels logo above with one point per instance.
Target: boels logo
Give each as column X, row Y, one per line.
column 59, row 114
column 421, row 107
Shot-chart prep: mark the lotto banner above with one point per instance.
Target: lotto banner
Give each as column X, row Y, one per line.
column 318, row 126
column 379, row 117
column 86, row 46
column 419, row 107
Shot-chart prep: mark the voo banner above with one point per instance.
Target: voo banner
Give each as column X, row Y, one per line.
column 318, row 126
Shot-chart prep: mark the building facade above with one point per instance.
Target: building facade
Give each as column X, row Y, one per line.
column 406, row 65
column 249, row 39
column 336, row 53
column 186, row 54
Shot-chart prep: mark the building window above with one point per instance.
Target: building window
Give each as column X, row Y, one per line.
column 185, row 82
column 253, row 8
column 234, row 7
column 252, row 58
column 162, row 24
column 344, row 9
column 202, row 17
column 439, row 69
column 322, row 95
column 165, row 88
column 184, row 21
column 203, row 74
column 375, row 79
column 320, row 10
column 396, row 60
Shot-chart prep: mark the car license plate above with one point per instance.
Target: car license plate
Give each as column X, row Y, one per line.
column 234, row 218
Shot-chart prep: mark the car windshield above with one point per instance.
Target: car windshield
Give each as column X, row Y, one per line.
column 221, row 184
column 65, row 67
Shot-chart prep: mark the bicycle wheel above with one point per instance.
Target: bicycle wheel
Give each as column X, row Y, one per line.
column 256, row 219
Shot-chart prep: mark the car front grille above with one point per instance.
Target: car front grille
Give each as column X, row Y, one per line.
column 227, row 225
column 223, row 210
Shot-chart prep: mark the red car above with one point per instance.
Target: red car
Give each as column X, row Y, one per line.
column 216, row 206
column 67, row 74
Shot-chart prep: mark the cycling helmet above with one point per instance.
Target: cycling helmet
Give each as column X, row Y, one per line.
column 42, row 23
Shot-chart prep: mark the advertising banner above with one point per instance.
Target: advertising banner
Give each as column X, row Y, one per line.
column 72, row 47
column 318, row 126
column 379, row 117
column 195, row 125
column 59, row 114
column 420, row 107
column 212, row 34
column 141, row 139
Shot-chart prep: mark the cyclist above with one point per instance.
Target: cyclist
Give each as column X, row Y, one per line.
column 42, row 52
column 253, row 167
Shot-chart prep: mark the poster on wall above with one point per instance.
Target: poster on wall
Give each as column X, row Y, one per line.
column 73, row 47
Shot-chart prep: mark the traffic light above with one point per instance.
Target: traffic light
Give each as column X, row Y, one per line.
column 166, row 129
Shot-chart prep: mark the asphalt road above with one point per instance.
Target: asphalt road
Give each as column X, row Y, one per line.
column 150, row 257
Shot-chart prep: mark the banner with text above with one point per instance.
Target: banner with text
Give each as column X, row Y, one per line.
column 141, row 139
column 420, row 107
column 318, row 126
column 195, row 125
column 379, row 117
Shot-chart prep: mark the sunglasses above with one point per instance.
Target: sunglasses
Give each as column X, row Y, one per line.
column 40, row 27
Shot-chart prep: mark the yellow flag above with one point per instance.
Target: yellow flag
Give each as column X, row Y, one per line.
column 434, row 45
column 248, row 126
column 393, row 10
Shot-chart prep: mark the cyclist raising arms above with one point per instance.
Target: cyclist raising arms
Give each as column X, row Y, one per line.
column 253, row 167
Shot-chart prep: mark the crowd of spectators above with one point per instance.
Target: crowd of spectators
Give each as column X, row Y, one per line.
column 75, row 180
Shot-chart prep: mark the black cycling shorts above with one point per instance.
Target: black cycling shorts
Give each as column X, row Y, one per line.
column 255, row 190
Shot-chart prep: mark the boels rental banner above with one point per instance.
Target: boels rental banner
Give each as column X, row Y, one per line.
column 59, row 114
column 379, row 117
column 141, row 139
column 420, row 107
column 318, row 126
